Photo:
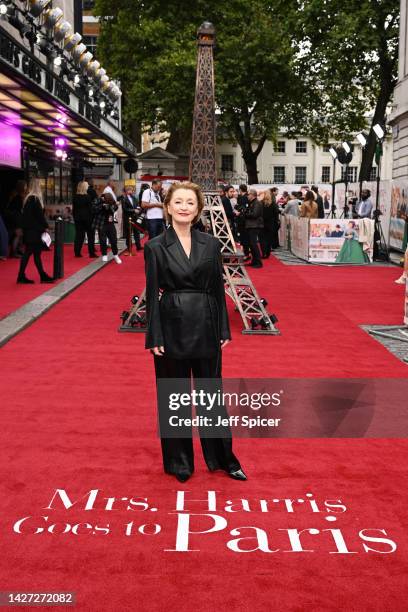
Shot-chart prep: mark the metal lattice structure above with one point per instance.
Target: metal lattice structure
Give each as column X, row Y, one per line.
column 203, row 171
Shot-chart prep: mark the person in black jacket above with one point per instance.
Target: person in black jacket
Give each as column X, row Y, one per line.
column 319, row 202
column 187, row 329
column 254, row 225
column 104, row 221
column 131, row 210
column 241, row 208
column 269, row 236
column 227, row 193
column 14, row 213
column 33, row 224
column 82, row 213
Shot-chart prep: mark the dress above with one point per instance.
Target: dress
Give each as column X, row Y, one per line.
column 352, row 252
column 189, row 320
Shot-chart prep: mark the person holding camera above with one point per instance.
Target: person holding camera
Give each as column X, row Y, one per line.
column 131, row 211
column 365, row 206
column 104, row 211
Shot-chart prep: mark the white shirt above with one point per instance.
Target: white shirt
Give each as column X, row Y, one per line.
column 150, row 197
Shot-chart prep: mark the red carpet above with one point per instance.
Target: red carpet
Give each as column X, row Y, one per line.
column 79, row 414
column 13, row 296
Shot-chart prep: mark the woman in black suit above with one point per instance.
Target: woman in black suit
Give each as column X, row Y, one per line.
column 82, row 213
column 34, row 224
column 187, row 327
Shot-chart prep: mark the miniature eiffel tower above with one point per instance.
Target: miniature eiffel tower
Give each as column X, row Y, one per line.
column 238, row 285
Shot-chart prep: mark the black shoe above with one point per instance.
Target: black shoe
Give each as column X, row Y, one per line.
column 238, row 475
column 25, row 281
column 140, row 249
column 47, row 279
column 256, row 265
column 78, row 255
column 93, row 255
column 182, row 477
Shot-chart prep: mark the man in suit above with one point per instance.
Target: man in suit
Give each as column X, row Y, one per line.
column 253, row 224
column 365, row 206
column 131, row 209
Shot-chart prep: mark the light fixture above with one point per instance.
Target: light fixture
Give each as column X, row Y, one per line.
column 71, row 41
column 77, row 51
column 85, row 60
column 58, row 60
column 60, row 142
column 333, row 152
column 91, row 93
column 362, row 139
column 52, row 16
column 100, row 73
column 346, row 147
column 37, row 6
column 102, row 104
column 77, row 79
column 379, row 131
column 62, row 30
column 3, row 9
column 59, row 153
column 93, row 68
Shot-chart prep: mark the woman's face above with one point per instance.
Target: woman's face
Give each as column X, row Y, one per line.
column 183, row 206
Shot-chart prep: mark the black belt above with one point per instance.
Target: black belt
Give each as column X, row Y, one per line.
column 207, row 291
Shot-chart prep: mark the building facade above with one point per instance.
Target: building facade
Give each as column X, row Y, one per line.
column 399, row 116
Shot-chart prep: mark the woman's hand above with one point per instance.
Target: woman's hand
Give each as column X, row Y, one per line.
column 224, row 343
column 158, row 351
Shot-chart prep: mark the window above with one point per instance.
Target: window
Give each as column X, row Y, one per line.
column 227, row 163
column 301, row 146
column 326, row 171
column 326, row 148
column 352, row 174
column 300, row 174
column 88, row 5
column 90, row 42
column 280, row 147
column 373, row 173
column 279, row 174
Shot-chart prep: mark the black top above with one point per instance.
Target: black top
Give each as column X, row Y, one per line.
column 191, row 317
column 33, row 221
column 226, row 202
column 82, row 207
column 14, row 212
column 271, row 216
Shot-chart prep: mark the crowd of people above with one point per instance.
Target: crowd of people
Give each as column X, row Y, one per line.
column 254, row 217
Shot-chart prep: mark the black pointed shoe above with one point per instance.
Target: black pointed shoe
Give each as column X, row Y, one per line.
column 182, row 477
column 25, row 281
column 238, row 475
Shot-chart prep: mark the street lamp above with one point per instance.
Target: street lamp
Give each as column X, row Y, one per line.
column 346, row 147
column 362, row 139
column 379, row 131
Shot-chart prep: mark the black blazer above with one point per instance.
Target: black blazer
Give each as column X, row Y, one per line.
column 82, row 208
column 33, row 222
column 191, row 316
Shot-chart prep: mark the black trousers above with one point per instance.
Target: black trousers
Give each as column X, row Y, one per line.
column 178, row 455
column 108, row 232
column 136, row 236
column 253, row 245
column 243, row 238
column 35, row 250
column 82, row 228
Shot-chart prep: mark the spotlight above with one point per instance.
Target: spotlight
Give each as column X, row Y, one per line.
column 102, row 104
column 91, row 93
column 92, row 68
column 78, row 51
column 100, row 73
column 72, row 41
column 58, row 60
column 62, row 30
column 3, row 9
column 379, row 131
column 264, row 302
column 135, row 299
column 85, row 60
column 77, row 79
column 52, row 16
column 59, row 153
column 346, row 147
column 37, row 7
column 333, row 152
column 362, row 139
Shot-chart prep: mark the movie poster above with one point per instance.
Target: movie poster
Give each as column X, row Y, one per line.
column 399, row 211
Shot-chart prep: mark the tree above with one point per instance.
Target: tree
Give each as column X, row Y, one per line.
column 151, row 48
column 348, row 54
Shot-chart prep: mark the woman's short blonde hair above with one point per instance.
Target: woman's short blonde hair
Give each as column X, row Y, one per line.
column 82, row 188
column 187, row 185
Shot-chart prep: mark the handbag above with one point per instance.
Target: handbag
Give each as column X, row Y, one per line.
column 46, row 238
